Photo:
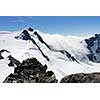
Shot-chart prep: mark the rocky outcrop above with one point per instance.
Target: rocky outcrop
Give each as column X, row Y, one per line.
column 30, row 29
column 1, row 57
column 31, row 71
column 93, row 45
column 82, row 78
column 41, row 40
column 13, row 61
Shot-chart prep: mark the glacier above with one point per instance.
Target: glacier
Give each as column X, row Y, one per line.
column 51, row 45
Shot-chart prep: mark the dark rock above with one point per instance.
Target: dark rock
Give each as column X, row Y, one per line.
column 97, row 35
column 72, row 58
column 30, row 29
column 16, row 37
column 13, row 61
column 49, row 73
column 82, row 78
column 31, row 71
column 91, row 42
column 39, row 37
column 41, row 40
column 25, row 35
column 1, row 57
column 11, row 64
column 4, row 50
column 91, row 57
column 99, row 42
column 98, row 49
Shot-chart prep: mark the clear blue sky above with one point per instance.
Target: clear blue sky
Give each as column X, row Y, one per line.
column 57, row 24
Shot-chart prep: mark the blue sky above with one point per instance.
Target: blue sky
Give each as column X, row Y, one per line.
column 52, row 24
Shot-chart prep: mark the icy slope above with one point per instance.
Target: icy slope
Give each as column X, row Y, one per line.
column 66, row 54
column 4, row 69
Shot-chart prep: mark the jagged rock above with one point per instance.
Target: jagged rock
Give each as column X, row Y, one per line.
column 82, row 78
column 31, row 71
column 41, row 40
column 98, row 49
column 39, row 37
column 93, row 45
column 30, row 29
column 3, row 50
column 1, row 57
column 25, row 35
column 13, row 61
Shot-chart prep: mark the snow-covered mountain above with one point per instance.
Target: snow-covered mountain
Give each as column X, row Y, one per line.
column 64, row 55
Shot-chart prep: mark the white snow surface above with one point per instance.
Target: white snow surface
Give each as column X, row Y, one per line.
column 59, row 63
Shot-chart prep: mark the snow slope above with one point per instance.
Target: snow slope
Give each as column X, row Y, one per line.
column 58, row 62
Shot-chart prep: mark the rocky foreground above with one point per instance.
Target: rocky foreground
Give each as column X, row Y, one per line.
column 32, row 71
column 82, row 78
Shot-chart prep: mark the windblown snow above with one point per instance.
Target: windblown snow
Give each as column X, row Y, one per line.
column 58, row 63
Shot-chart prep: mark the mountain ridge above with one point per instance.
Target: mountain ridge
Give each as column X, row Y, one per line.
column 64, row 55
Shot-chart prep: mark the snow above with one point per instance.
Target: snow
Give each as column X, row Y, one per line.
column 5, row 70
column 58, row 63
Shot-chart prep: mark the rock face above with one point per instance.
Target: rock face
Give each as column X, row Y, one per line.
column 1, row 57
column 30, row 29
column 13, row 61
column 25, row 35
column 93, row 44
column 82, row 78
column 31, row 71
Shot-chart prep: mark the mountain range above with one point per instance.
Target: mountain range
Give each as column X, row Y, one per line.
column 63, row 55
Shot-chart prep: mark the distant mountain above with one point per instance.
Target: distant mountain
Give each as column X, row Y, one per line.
column 5, row 32
column 93, row 45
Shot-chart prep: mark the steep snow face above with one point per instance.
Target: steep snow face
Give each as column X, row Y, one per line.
column 66, row 54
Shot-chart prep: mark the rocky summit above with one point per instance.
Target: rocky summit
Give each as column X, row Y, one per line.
column 82, row 78
column 31, row 71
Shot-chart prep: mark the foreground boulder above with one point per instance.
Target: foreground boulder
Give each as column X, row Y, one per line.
column 31, row 71
column 82, row 78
